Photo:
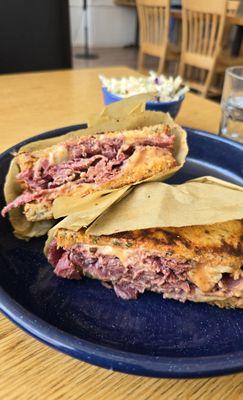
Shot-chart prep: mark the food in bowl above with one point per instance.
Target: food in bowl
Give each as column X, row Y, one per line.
column 166, row 89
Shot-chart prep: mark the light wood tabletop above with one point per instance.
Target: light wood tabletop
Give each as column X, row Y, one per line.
column 29, row 370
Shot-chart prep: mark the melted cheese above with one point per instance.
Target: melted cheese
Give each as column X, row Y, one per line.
column 58, row 154
column 55, row 155
column 120, row 253
column 206, row 276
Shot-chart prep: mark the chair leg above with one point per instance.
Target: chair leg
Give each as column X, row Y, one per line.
column 208, row 82
column 140, row 60
column 182, row 67
column 176, row 67
column 161, row 65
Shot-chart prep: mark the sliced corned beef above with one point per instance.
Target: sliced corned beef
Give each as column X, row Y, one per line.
column 141, row 272
column 90, row 161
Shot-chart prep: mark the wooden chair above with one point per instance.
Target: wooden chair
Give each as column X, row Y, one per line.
column 202, row 57
column 202, row 33
column 154, row 23
column 225, row 58
column 232, row 7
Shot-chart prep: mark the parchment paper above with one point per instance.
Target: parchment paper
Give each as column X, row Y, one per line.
column 201, row 201
column 125, row 114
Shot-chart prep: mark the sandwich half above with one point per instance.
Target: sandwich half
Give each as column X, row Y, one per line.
column 198, row 263
column 82, row 165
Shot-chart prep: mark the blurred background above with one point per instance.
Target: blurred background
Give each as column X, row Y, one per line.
column 39, row 35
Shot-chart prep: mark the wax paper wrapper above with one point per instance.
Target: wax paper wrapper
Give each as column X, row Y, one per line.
column 201, row 201
column 126, row 114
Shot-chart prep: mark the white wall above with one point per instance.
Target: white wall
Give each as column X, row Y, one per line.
column 109, row 25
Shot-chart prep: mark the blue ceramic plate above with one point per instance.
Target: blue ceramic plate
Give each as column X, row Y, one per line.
column 149, row 336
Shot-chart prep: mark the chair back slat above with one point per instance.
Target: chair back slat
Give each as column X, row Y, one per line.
column 200, row 33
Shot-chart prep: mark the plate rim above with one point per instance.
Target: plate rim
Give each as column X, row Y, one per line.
column 114, row 359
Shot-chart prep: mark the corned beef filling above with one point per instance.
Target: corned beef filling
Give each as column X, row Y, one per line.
column 142, row 271
column 89, row 161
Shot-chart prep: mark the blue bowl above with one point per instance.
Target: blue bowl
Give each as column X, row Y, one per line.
column 172, row 107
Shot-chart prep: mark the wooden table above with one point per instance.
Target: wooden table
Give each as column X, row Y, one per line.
column 29, row 370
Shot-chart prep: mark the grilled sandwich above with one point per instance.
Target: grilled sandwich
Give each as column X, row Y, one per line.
column 199, row 263
column 83, row 165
